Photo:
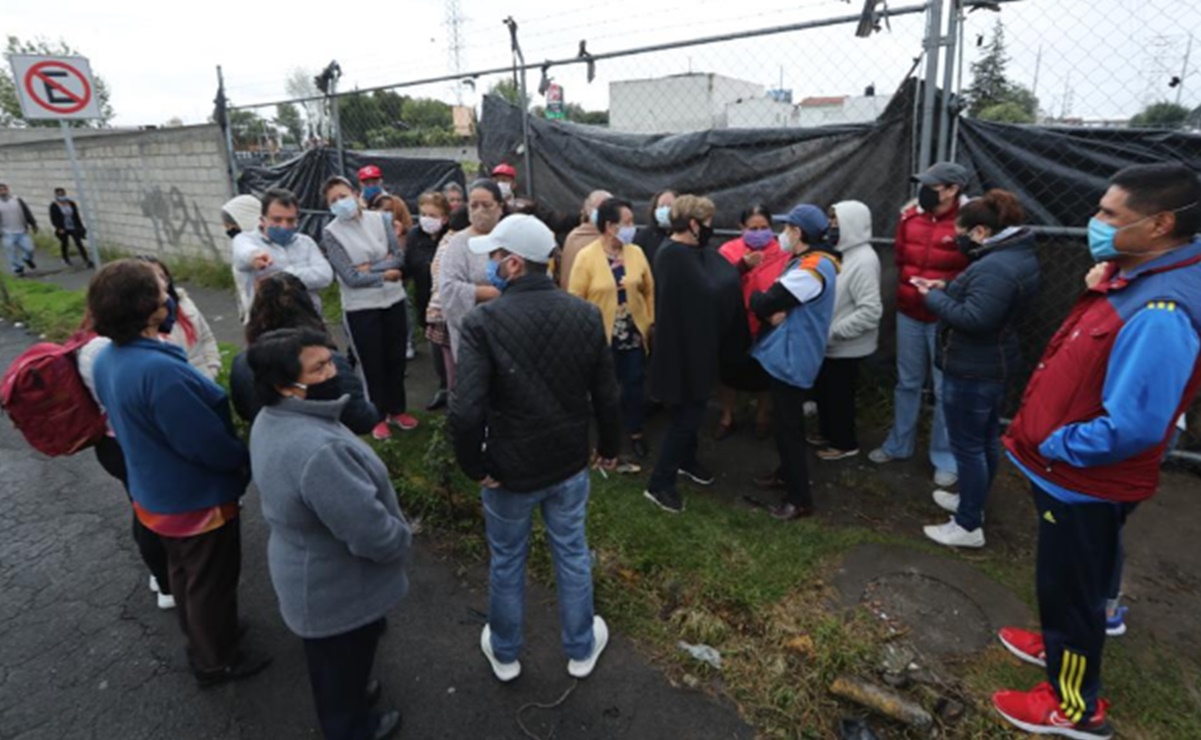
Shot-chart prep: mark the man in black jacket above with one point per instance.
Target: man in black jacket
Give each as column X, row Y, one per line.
column 534, row 369
column 68, row 224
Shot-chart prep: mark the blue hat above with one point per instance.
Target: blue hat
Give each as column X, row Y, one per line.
column 811, row 219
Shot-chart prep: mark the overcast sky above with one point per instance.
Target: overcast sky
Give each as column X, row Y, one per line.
column 1099, row 58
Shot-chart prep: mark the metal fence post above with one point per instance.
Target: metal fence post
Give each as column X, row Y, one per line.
column 336, row 122
column 926, row 134
column 948, row 81
column 227, row 130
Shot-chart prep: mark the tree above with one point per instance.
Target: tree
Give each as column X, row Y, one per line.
column 288, row 117
column 248, row 129
column 1161, row 115
column 10, row 105
column 993, row 92
column 300, row 84
column 507, row 89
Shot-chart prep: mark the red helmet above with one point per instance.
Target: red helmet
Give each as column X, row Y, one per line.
column 370, row 172
column 504, row 169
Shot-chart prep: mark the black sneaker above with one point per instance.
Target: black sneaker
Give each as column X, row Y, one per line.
column 667, row 500
column 639, row 447
column 29, row 261
column 246, row 664
column 438, row 401
column 697, row 473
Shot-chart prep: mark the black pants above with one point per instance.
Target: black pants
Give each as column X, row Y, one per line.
column 339, row 669
column 439, row 364
column 63, row 243
column 679, row 445
column 423, row 285
column 1077, row 555
column 835, row 395
column 204, row 582
column 379, row 336
column 788, row 425
column 150, row 547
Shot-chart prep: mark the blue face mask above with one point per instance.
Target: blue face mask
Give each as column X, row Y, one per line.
column 663, row 217
column 369, row 193
column 1100, row 240
column 61, row 198
column 169, row 322
column 757, row 238
column 494, row 277
column 344, row 208
column 626, row 234
column 592, row 216
column 281, row 235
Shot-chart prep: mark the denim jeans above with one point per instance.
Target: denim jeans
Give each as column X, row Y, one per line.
column 508, row 517
column 915, row 357
column 973, row 411
column 629, row 365
column 19, row 248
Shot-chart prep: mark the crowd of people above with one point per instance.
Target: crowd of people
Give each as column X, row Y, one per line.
column 537, row 340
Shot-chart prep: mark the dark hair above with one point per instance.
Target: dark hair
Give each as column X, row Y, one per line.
column 166, row 273
column 755, row 209
column 459, row 218
column 60, row 190
column 275, row 360
column 336, row 180
column 121, row 299
column 995, row 210
column 650, row 212
column 609, row 212
column 284, row 197
column 486, row 183
column 1155, row 188
column 281, row 301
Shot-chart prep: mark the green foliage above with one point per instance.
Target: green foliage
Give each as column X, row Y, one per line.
column 575, row 113
column 43, row 307
column 991, row 89
column 508, row 90
column 10, row 106
column 1161, row 115
column 249, row 129
column 1009, row 112
column 287, row 116
column 384, row 119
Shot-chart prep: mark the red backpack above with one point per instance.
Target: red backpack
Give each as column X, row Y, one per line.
column 44, row 395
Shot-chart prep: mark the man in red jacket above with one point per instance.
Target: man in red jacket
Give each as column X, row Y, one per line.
column 925, row 248
column 1095, row 421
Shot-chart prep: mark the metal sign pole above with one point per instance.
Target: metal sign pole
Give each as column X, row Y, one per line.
column 85, row 212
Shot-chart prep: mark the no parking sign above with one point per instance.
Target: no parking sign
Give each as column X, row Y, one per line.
column 55, row 88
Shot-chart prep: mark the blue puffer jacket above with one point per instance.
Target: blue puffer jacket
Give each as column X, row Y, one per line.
column 978, row 312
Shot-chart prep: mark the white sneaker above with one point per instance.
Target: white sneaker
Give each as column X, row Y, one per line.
column 945, row 479
column 600, row 639
column 504, row 672
column 879, row 456
column 947, row 500
column 953, row 535
column 810, row 408
column 153, row 584
column 410, row 352
column 166, row 601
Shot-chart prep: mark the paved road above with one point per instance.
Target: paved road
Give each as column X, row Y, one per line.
column 84, row 652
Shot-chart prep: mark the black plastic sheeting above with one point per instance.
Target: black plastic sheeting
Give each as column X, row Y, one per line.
column 305, row 174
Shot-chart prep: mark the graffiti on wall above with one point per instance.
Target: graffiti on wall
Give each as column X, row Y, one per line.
column 175, row 220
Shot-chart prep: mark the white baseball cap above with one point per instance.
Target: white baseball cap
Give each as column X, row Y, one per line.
column 519, row 234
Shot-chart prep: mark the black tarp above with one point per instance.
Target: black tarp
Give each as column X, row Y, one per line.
column 304, row 175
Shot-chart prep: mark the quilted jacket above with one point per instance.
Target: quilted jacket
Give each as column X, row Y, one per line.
column 533, row 370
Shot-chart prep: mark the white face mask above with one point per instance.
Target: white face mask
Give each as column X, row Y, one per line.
column 626, row 234
column 785, row 241
column 506, row 188
column 430, row 224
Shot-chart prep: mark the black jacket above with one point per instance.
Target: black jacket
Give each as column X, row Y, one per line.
column 58, row 220
column 650, row 238
column 419, row 250
column 359, row 415
column 978, row 312
column 533, row 370
column 701, row 332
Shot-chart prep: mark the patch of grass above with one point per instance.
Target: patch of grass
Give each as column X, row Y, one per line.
column 44, row 308
column 207, row 273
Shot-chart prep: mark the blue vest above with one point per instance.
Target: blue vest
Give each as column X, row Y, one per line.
column 793, row 352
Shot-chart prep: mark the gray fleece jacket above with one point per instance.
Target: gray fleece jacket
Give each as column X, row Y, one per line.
column 338, row 540
column 855, row 329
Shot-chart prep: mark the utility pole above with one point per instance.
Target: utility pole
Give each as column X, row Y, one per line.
column 454, row 44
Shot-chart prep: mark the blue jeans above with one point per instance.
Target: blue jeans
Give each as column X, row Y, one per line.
column 629, row 366
column 973, row 412
column 22, row 242
column 508, row 518
column 915, row 357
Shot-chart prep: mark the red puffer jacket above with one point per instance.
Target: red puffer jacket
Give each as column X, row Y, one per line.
column 925, row 247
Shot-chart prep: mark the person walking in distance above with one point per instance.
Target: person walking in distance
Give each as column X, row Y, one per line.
column 925, row 248
column 67, row 220
column 1096, row 417
column 534, row 370
column 16, row 225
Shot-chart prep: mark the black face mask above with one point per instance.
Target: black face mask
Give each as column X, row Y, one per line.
column 232, row 231
column 927, row 198
column 967, row 247
column 329, row 390
column 706, row 233
column 832, row 236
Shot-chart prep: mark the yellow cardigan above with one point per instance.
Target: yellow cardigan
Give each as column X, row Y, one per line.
column 592, row 280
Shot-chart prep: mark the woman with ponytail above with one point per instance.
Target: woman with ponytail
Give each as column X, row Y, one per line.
column 978, row 349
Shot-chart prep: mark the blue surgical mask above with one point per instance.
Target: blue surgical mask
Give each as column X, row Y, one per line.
column 281, row 235
column 1100, row 240
column 494, row 277
column 344, row 208
column 663, row 217
column 370, row 192
column 626, row 234
column 757, row 238
column 172, row 313
column 592, row 216
column 61, row 198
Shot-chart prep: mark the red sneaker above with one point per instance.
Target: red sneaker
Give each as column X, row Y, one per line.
column 381, row 431
column 404, row 421
column 1040, row 712
column 1026, row 645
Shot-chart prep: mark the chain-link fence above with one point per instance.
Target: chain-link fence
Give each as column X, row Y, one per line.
column 821, row 104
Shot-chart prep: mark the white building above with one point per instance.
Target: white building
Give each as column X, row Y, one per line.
column 809, row 113
column 759, row 113
column 696, row 101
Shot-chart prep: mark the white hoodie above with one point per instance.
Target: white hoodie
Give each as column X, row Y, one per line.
column 855, row 329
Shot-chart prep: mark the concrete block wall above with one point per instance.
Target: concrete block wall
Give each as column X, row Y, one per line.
column 150, row 192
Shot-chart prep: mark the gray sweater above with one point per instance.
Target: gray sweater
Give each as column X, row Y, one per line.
column 338, row 540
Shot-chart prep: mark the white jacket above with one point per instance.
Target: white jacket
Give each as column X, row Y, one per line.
column 302, row 258
column 203, row 354
column 855, row 330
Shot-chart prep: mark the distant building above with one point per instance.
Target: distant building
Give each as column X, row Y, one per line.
column 760, row 113
column 695, row 101
column 828, row 111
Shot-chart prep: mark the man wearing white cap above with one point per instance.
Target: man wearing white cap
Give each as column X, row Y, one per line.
column 534, row 369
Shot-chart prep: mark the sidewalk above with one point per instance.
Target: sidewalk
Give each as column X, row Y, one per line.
column 85, row 652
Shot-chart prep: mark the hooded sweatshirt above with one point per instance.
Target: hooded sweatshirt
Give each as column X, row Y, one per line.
column 855, row 329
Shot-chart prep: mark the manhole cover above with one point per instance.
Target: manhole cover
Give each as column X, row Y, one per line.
column 942, row 620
